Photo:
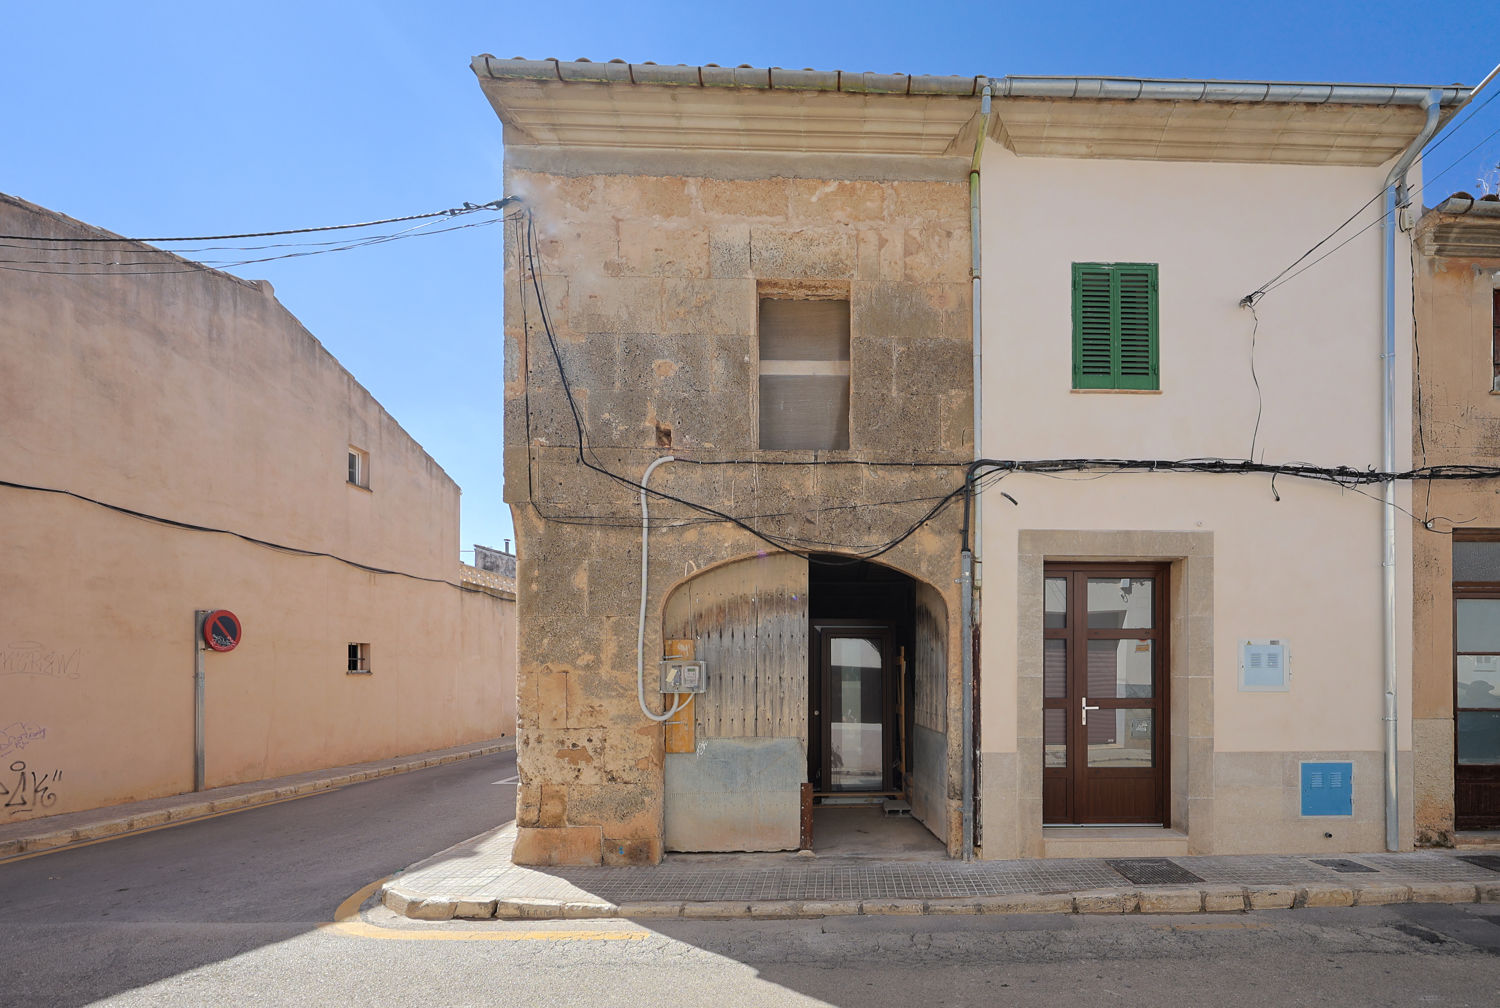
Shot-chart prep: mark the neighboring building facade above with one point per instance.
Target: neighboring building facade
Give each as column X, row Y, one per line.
column 767, row 275
column 194, row 397
column 1457, row 569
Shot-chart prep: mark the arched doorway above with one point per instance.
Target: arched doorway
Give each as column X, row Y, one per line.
column 827, row 687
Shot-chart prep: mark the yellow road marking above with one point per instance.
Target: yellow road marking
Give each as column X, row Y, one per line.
column 347, row 922
column 166, row 825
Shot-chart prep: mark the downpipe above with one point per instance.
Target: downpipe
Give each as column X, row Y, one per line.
column 967, row 555
column 1395, row 198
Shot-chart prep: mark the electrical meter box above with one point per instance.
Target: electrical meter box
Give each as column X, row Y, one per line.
column 681, row 676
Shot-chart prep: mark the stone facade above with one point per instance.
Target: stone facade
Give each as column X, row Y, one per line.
column 653, row 283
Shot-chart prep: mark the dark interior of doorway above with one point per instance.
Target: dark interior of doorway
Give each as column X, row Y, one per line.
column 844, row 592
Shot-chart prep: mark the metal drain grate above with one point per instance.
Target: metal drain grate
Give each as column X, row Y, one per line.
column 1343, row 865
column 1152, row 871
column 1490, row 861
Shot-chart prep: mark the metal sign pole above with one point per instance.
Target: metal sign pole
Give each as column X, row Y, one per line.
column 198, row 688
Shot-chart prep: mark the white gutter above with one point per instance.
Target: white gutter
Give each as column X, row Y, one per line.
column 1395, row 194
column 967, row 726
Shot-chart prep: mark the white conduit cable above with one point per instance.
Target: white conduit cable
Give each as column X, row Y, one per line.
column 640, row 633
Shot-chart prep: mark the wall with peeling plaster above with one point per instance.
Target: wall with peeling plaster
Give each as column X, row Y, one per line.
column 1460, row 424
column 651, row 283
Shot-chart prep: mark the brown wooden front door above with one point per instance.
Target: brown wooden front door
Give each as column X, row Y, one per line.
column 1104, row 704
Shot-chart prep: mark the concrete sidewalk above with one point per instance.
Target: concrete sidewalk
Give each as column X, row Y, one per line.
column 51, row 832
column 476, row 880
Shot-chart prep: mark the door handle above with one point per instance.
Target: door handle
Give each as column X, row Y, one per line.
column 1086, row 709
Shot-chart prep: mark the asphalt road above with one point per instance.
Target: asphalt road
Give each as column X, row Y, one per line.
column 237, row 910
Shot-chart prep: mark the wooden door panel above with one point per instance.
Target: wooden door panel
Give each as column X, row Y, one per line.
column 1108, row 652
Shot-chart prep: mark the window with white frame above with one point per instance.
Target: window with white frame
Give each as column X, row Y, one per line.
column 359, row 467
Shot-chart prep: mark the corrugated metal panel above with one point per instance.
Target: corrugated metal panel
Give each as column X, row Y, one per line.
column 749, row 621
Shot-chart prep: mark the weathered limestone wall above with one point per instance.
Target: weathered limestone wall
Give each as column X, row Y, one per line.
column 652, row 279
column 1460, row 423
column 197, row 397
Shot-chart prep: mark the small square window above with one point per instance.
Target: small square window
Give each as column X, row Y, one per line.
column 359, row 467
column 359, row 659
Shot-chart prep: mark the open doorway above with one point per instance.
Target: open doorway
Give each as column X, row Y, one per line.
column 871, row 672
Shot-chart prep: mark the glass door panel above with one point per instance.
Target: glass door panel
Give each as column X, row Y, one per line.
column 857, row 713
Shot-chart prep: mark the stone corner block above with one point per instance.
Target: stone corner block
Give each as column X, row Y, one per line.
column 1106, row 901
column 11, row 847
column 1271, row 897
column 1224, row 899
column 1324, row 896
column 1381, row 893
column 1165, row 901
column 1443, row 892
column 559, row 845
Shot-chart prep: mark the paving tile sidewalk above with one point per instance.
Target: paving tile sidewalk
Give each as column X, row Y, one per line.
column 50, row 832
column 476, row 880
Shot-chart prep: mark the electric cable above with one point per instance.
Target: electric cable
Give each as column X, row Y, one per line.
column 450, row 212
column 266, row 543
column 1265, row 288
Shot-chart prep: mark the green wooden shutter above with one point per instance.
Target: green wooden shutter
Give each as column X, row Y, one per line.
column 1093, row 327
column 1115, row 326
column 1135, row 301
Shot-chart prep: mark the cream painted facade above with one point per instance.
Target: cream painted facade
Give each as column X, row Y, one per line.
column 667, row 200
column 1305, row 569
column 194, row 396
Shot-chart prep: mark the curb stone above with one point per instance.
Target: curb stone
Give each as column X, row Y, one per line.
column 1209, row 899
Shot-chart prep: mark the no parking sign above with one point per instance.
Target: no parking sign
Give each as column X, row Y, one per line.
column 221, row 630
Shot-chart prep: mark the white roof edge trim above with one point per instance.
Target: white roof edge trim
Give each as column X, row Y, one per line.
column 489, row 67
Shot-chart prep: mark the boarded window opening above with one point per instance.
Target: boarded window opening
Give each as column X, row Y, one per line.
column 804, row 374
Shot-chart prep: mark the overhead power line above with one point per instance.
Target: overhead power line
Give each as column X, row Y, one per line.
column 450, row 212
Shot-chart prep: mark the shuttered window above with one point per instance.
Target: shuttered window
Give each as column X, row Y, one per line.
column 1114, row 326
column 804, row 374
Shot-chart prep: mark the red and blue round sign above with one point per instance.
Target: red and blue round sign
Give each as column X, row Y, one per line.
column 221, row 630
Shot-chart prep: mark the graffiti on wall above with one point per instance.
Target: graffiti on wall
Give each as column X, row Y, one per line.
column 31, row 658
column 18, row 735
column 26, row 790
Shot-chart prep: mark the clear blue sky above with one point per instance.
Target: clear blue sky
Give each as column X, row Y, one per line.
column 173, row 118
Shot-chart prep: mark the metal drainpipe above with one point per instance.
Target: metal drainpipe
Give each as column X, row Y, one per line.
column 966, row 577
column 1395, row 197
